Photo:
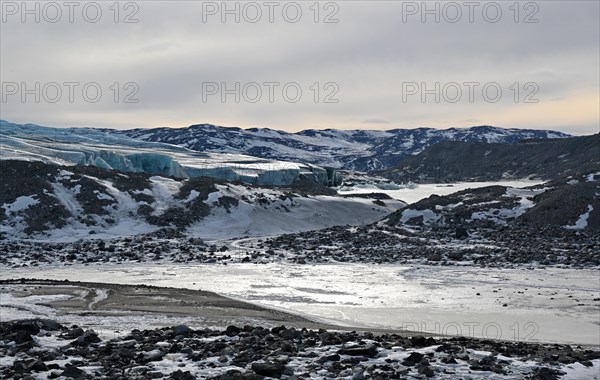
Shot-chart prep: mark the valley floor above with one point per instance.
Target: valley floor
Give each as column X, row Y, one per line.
column 549, row 305
column 518, row 323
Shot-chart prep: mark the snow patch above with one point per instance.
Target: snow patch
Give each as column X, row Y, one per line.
column 592, row 177
column 20, row 204
column 213, row 198
column 582, row 222
column 193, row 195
column 67, row 198
column 578, row 371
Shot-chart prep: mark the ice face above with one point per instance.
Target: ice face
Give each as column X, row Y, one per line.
column 92, row 147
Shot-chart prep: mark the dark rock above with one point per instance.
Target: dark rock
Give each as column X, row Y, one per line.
column 153, row 356
column 545, row 373
column 449, row 360
column 412, row 359
column 370, row 351
column 22, row 337
column 37, row 365
column 181, row 330
column 427, row 371
column 29, row 326
column 268, row 369
column 455, row 255
column 421, row 341
column 329, row 358
column 74, row 333
column 73, row 373
column 461, row 233
column 86, row 339
column 180, row 375
column 232, row 330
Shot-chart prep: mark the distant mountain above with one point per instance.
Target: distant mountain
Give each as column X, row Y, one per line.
column 359, row 150
column 463, row 161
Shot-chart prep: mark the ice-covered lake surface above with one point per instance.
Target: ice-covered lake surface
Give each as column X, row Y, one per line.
column 416, row 192
column 545, row 305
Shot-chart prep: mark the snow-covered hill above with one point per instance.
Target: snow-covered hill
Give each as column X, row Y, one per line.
column 570, row 203
column 360, row 150
column 50, row 202
column 103, row 149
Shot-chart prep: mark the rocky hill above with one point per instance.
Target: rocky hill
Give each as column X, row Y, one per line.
column 467, row 161
column 49, row 201
column 556, row 223
column 571, row 203
column 358, row 150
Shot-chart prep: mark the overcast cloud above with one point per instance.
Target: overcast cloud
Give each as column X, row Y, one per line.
column 366, row 64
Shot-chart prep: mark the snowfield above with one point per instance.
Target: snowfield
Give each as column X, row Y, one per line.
column 303, row 214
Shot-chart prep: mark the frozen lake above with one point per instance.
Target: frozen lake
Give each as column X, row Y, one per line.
column 548, row 305
column 422, row 191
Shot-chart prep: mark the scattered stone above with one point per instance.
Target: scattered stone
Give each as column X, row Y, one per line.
column 73, row 373
column 250, row 352
column 268, row 369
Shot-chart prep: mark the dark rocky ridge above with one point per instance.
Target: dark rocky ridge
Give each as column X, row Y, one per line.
column 97, row 195
column 556, row 203
column 453, row 161
column 506, row 247
column 25, row 178
column 567, row 199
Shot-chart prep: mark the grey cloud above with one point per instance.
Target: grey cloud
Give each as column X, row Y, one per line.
column 375, row 121
column 170, row 53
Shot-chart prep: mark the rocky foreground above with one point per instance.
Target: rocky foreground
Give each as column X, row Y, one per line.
column 43, row 348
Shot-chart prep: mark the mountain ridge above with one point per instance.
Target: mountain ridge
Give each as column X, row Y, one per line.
column 358, row 150
column 449, row 161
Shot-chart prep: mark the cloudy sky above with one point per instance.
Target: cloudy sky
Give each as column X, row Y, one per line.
column 304, row 64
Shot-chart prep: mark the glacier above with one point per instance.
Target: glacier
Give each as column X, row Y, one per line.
column 108, row 150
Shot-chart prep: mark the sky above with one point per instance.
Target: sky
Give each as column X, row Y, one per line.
column 302, row 65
